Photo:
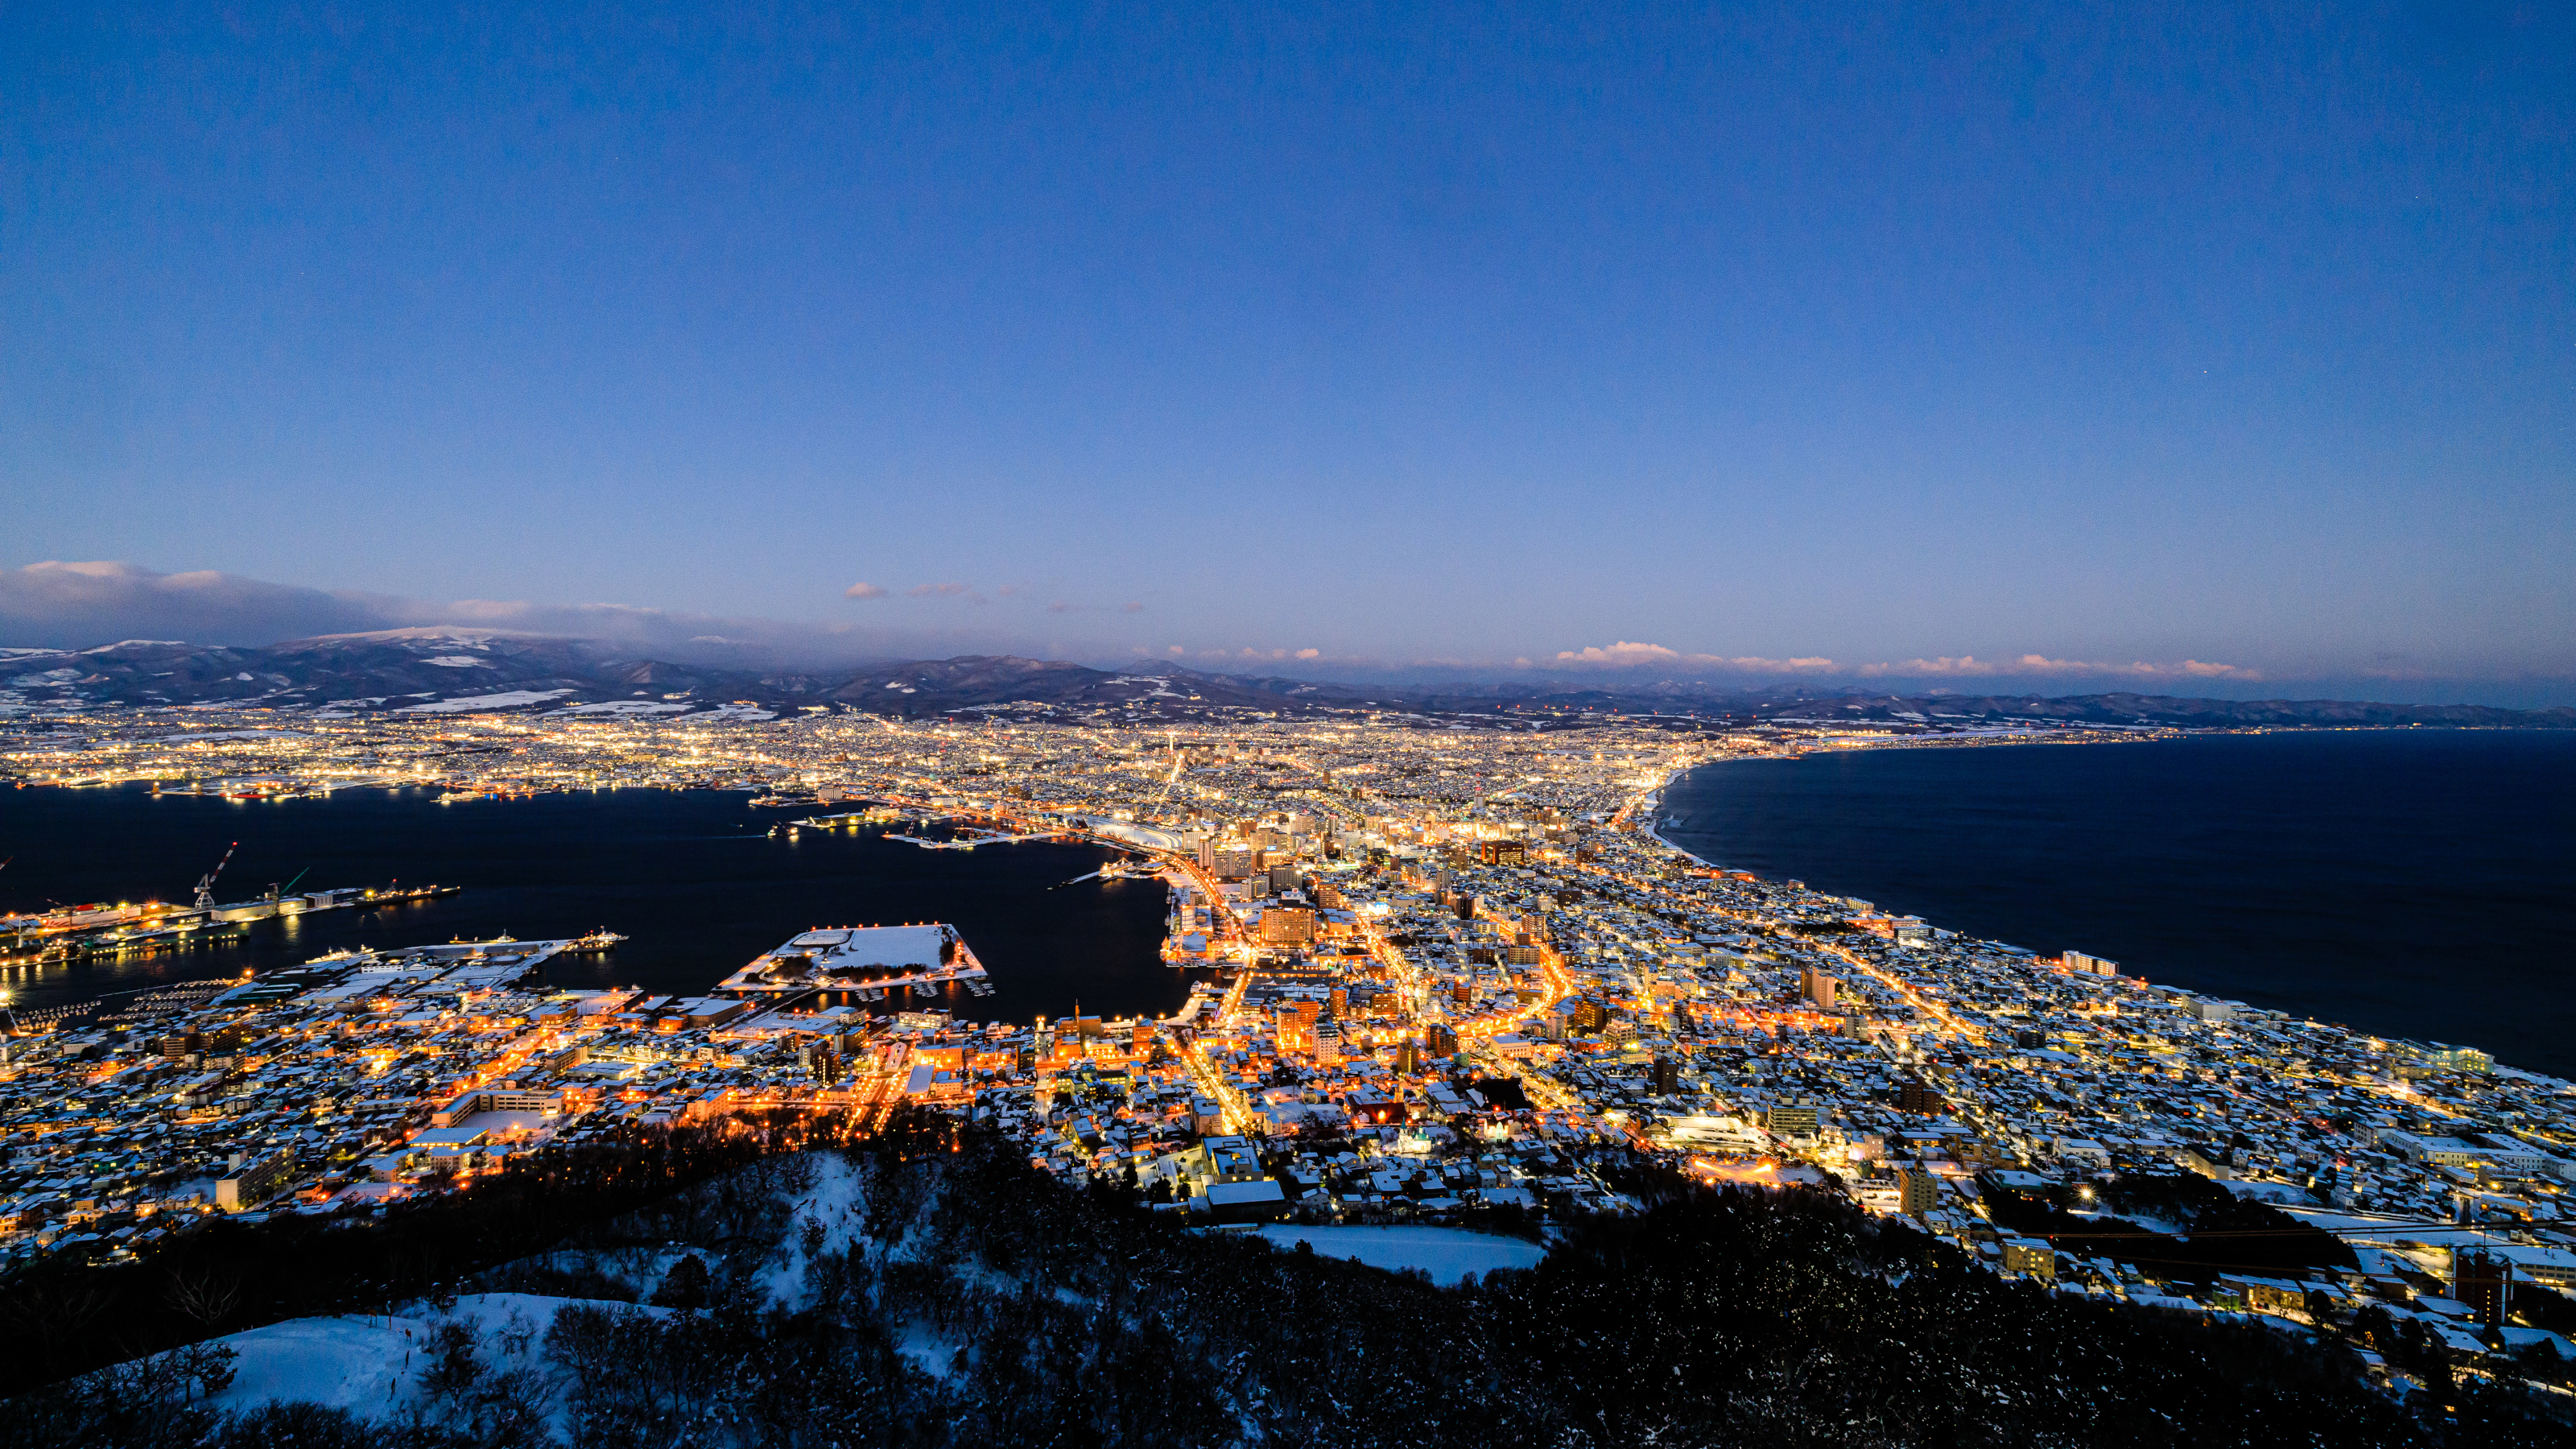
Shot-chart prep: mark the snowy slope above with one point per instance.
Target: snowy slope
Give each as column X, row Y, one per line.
column 371, row 1365
column 1447, row 1254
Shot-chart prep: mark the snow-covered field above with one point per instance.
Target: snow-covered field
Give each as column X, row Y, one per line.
column 507, row 699
column 371, row 1364
column 1447, row 1254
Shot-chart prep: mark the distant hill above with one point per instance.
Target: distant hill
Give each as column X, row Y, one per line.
column 448, row 670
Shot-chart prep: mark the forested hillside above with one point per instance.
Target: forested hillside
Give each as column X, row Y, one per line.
column 923, row 1291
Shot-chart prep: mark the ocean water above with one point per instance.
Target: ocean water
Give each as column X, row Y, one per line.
column 692, row 877
column 2407, row 883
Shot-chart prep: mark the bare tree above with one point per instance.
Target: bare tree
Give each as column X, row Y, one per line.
column 206, row 1296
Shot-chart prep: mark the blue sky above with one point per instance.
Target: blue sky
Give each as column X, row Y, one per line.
column 2106, row 338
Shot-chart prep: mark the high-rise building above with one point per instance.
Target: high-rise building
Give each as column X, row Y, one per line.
column 2484, row 1283
column 1296, row 1025
column 1287, row 926
column 1817, row 987
column 253, row 1183
column 1918, row 1192
column 1791, row 1119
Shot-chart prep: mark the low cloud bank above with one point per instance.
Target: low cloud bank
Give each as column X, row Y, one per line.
column 1968, row 666
column 1627, row 654
column 79, row 605
column 84, row 605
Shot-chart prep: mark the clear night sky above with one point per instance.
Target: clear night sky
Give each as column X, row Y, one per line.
column 1392, row 333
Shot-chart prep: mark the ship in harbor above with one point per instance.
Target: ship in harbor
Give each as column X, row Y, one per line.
column 101, row 929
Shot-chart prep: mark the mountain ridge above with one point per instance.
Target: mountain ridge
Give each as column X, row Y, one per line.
column 453, row 670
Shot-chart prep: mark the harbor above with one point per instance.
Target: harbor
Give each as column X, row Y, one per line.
column 86, row 932
column 691, row 879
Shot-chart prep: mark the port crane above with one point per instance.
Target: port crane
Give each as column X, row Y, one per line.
column 206, row 882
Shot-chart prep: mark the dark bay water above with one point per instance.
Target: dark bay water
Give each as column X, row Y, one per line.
column 2416, row 883
column 691, row 877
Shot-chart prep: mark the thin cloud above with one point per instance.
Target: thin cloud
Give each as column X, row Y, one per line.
column 864, row 591
column 2391, row 665
column 1969, row 666
column 940, row 591
column 1755, row 664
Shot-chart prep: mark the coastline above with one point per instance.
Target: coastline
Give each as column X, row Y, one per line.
column 690, row 876
column 2283, row 991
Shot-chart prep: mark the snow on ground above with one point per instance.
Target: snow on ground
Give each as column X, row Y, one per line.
column 507, row 699
column 2152, row 1223
column 626, row 706
column 1447, row 1254
column 365, row 1365
column 2145, row 1299
column 2521, row 1338
column 370, row 1364
column 833, row 1204
column 929, row 1352
column 2278, row 1193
